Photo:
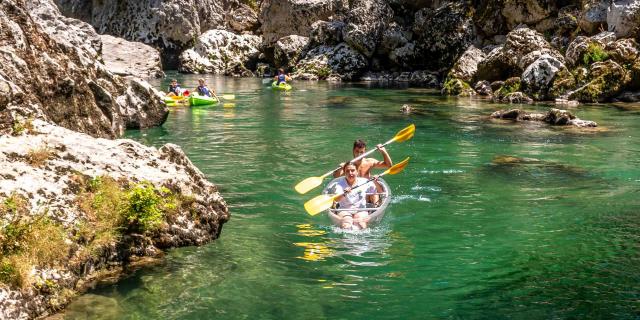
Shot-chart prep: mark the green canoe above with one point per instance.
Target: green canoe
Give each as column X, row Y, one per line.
column 198, row 100
column 282, row 86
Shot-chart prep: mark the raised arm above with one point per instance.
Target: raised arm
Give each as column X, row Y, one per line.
column 387, row 163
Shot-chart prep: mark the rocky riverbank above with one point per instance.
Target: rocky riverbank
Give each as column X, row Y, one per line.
column 75, row 204
column 511, row 51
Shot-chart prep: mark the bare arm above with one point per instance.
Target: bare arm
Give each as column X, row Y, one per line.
column 387, row 163
column 338, row 172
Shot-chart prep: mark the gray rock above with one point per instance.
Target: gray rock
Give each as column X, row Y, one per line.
column 326, row 33
column 288, row 49
column 593, row 17
column 576, row 50
column 483, row 88
column 126, row 58
column 365, row 23
column 623, row 18
column 467, row 65
column 538, row 76
column 243, row 19
column 221, row 52
column 322, row 61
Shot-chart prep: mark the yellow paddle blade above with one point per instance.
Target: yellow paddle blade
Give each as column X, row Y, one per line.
column 229, row 105
column 398, row 167
column 308, row 184
column 228, row 96
column 405, row 134
column 319, row 204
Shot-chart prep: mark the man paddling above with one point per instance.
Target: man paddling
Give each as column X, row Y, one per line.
column 365, row 165
column 352, row 199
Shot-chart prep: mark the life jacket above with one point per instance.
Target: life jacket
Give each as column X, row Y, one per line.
column 281, row 78
column 204, row 91
column 175, row 89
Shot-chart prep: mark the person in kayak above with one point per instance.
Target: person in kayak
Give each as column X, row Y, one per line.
column 365, row 165
column 353, row 199
column 203, row 90
column 174, row 88
column 281, row 77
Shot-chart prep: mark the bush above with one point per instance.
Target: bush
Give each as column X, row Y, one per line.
column 39, row 156
column 143, row 212
column 595, row 53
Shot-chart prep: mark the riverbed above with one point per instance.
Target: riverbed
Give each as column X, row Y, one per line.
column 491, row 219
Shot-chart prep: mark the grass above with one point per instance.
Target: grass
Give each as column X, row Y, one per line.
column 28, row 241
column 38, row 157
column 20, row 127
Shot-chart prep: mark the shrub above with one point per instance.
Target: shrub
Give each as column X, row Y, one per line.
column 143, row 212
column 595, row 53
column 39, row 156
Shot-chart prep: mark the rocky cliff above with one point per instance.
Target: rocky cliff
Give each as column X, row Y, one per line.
column 73, row 205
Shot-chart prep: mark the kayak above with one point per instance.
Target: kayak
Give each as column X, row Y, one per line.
column 282, row 86
column 198, row 100
column 173, row 101
column 376, row 212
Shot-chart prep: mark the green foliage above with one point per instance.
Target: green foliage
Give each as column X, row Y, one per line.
column 595, row 53
column 511, row 85
column 253, row 4
column 9, row 274
column 323, row 72
column 20, row 127
column 143, row 210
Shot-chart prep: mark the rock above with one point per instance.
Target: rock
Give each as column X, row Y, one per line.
column 529, row 12
column 243, row 19
column 126, row 58
column 139, row 111
column 61, row 67
column 582, row 45
column 457, row 87
column 562, row 83
column 326, row 33
column 322, row 61
column 593, row 17
column 483, row 88
column 171, row 26
column 424, row 78
column 511, row 85
column 538, row 76
column 221, row 52
column 565, row 102
column 554, row 116
column 288, row 50
column 406, row 109
column 505, row 61
column 623, row 51
column 365, row 23
column 629, row 96
column 489, row 18
column 606, row 80
column 55, row 190
column 516, row 97
column 442, row 35
column 280, row 18
column 467, row 65
column 623, row 18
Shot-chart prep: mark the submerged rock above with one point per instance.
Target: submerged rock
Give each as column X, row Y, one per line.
column 554, row 116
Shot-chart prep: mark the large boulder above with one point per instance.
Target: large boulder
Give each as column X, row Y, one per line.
column 280, row 18
column 442, row 35
column 582, row 45
column 169, row 25
column 623, row 18
column 365, row 22
column 623, row 51
column 467, row 65
column 605, row 80
column 324, row 61
column 56, row 60
column 326, row 33
column 127, row 58
column 593, row 16
column 222, row 52
column 539, row 75
column 243, row 19
column 522, row 47
column 535, row 13
column 288, row 49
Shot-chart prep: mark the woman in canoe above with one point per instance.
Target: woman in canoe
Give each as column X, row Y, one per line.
column 353, row 199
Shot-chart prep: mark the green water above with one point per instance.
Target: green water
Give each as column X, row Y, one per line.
column 557, row 236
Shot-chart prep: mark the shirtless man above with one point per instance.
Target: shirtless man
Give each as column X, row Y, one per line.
column 366, row 164
column 352, row 199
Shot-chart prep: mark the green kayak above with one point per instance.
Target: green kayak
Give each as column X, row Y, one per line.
column 173, row 101
column 198, row 100
column 282, row 86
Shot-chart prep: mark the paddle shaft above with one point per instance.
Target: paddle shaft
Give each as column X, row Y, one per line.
column 358, row 158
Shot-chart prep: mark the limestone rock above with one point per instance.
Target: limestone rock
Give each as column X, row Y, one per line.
column 126, row 58
column 61, row 68
column 623, row 18
column 280, row 18
column 606, row 80
column 554, row 116
column 365, row 23
column 442, row 35
column 243, row 19
column 593, row 17
column 581, row 45
column 221, row 52
column 623, row 51
column 529, row 12
column 288, row 50
column 467, row 65
column 326, row 33
column 322, row 61
column 505, row 61
column 483, row 88
column 538, row 76
column 457, row 87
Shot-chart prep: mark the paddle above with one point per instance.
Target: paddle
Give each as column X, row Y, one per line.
column 309, row 183
column 325, row 201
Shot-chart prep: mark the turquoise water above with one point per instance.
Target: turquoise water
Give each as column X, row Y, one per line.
column 554, row 234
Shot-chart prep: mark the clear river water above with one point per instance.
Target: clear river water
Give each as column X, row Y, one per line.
column 490, row 220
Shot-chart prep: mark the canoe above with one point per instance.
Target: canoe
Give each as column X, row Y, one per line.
column 376, row 213
column 282, row 86
column 198, row 100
